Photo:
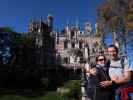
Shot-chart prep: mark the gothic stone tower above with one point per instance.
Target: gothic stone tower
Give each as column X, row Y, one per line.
column 41, row 31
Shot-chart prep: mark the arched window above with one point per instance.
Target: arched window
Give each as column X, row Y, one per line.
column 73, row 45
column 65, row 60
column 65, row 44
column 80, row 43
column 72, row 34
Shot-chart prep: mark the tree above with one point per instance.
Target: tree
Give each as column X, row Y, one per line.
column 24, row 47
column 116, row 16
column 109, row 12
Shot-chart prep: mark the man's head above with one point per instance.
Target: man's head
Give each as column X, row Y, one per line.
column 112, row 52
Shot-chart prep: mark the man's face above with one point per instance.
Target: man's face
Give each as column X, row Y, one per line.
column 112, row 52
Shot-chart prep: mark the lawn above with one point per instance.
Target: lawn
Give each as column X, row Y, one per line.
column 48, row 96
column 72, row 85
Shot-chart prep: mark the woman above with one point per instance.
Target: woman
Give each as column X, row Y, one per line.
column 99, row 72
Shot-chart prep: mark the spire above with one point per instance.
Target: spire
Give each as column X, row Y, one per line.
column 77, row 23
column 50, row 21
column 67, row 23
column 67, row 27
column 88, row 27
column 57, row 36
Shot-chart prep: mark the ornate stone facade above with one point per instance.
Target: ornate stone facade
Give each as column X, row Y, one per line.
column 74, row 46
column 44, row 41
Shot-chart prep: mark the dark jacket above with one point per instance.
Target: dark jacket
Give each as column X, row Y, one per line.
column 94, row 87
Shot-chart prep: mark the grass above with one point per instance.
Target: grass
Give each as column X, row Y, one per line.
column 48, row 96
column 73, row 85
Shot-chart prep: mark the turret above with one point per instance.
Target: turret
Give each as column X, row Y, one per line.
column 88, row 27
column 50, row 21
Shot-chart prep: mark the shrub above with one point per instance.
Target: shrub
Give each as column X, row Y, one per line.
column 74, row 87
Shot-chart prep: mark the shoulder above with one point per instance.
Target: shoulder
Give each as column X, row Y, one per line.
column 115, row 62
column 128, row 65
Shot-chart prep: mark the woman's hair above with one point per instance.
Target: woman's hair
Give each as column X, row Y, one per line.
column 99, row 56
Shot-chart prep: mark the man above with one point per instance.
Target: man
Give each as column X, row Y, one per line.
column 119, row 74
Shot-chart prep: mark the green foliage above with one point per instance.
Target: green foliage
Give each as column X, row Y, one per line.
column 49, row 96
column 27, row 41
column 109, row 11
column 53, row 96
column 130, row 17
column 75, row 89
column 7, row 29
column 16, row 39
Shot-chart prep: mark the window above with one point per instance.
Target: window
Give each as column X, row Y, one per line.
column 65, row 44
column 80, row 44
column 72, row 34
column 73, row 45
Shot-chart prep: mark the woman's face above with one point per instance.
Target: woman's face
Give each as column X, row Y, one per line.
column 101, row 60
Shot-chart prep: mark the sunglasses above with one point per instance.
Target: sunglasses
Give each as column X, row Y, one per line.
column 100, row 59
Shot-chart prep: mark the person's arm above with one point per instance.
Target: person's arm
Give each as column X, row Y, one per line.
column 106, row 83
column 117, row 81
column 126, row 78
column 127, row 73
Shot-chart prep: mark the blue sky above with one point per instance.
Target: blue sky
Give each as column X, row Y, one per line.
column 17, row 13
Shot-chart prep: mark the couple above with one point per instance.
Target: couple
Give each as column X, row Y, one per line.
column 119, row 73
